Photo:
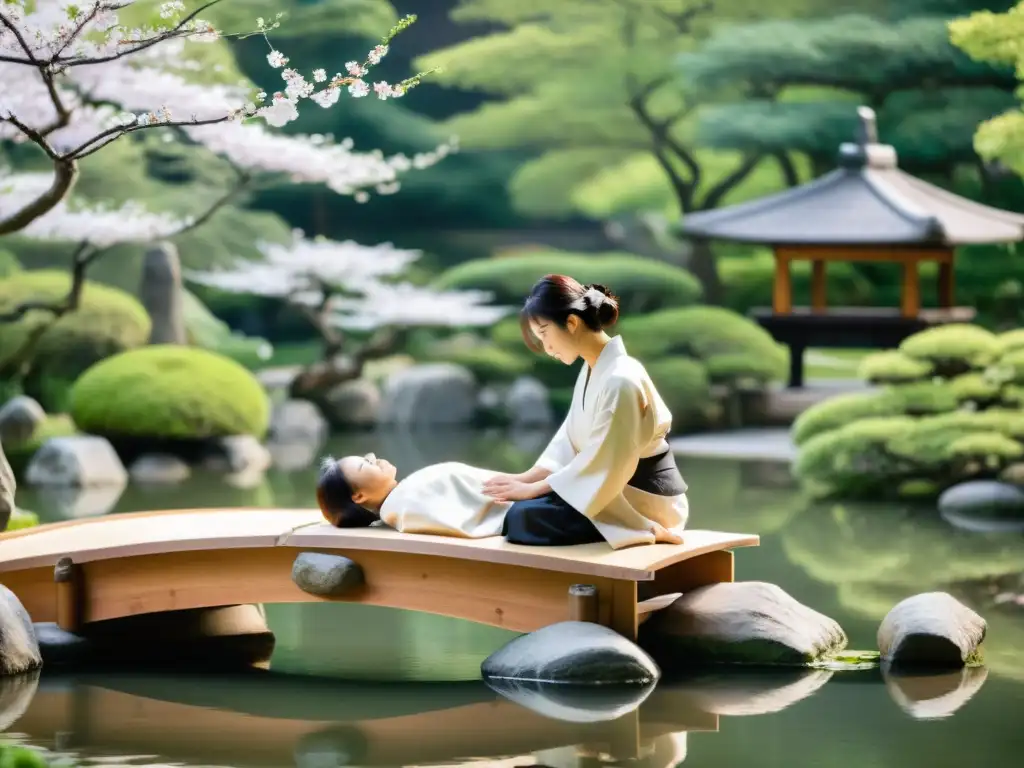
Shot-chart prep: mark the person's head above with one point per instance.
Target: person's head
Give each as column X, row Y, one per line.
column 560, row 316
column 351, row 489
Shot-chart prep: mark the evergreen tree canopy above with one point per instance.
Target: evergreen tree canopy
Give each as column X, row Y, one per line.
column 807, row 76
column 995, row 38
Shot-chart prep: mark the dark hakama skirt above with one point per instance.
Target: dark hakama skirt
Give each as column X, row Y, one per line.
column 549, row 521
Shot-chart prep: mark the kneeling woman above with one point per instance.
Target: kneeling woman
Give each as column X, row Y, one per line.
column 608, row 473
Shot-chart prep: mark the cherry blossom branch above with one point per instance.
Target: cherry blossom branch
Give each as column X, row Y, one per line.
column 64, row 176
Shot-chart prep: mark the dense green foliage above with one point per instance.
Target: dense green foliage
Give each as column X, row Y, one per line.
column 106, row 322
column 959, row 417
column 207, row 331
column 9, row 264
column 992, row 38
column 642, row 285
column 929, row 95
column 167, row 391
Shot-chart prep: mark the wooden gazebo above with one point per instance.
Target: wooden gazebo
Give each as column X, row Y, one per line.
column 867, row 209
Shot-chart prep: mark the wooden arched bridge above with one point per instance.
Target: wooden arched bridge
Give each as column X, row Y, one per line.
column 115, row 566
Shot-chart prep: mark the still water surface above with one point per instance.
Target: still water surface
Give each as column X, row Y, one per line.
column 348, row 685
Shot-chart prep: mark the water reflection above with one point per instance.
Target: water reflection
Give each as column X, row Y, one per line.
column 270, row 719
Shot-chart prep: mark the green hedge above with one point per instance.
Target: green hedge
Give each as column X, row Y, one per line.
column 642, row 285
column 106, row 322
column 959, row 417
column 168, row 391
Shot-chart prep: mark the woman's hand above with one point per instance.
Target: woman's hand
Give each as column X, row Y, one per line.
column 511, row 488
column 663, row 535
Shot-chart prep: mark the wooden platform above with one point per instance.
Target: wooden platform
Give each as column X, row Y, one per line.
column 123, row 565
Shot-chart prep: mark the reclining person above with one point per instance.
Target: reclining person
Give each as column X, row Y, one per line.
column 447, row 499
column 444, row 499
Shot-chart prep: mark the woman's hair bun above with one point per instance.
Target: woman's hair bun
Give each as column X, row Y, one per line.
column 607, row 306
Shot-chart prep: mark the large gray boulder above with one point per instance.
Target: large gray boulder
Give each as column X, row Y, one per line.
column 79, row 461
column 297, row 421
column 528, row 403
column 326, row 575
column 932, row 629
column 161, row 293
column 983, row 497
column 748, row 622
column 19, row 649
column 435, row 394
column 575, row 652
column 7, row 488
column 159, row 469
column 353, row 405
column 19, row 418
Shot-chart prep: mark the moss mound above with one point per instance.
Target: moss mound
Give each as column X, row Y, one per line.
column 107, row 321
column 169, row 392
column 22, row 518
column 955, row 393
column 642, row 285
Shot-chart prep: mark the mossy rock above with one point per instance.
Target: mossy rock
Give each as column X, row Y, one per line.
column 893, row 367
column 170, row 392
column 852, row 460
column 952, row 349
column 106, row 322
column 642, row 285
column 58, row 425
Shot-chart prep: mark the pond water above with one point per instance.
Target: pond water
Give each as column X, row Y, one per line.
column 349, row 686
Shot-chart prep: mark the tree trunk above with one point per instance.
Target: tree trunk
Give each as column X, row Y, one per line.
column 7, row 488
column 705, row 268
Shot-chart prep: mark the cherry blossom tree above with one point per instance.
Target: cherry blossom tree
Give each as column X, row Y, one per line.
column 74, row 78
column 343, row 288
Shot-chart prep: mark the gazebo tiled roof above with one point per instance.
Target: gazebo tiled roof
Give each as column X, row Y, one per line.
column 866, row 201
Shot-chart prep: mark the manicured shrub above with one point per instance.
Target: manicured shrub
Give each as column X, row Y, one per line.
column 642, row 285
column 892, row 367
column 841, row 410
column 684, row 386
column 106, row 322
column 489, row 364
column 952, row 349
column 168, row 391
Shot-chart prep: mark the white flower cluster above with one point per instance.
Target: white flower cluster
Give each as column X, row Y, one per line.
column 152, row 86
column 68, row 42
column 353, row 278
column 102, row 226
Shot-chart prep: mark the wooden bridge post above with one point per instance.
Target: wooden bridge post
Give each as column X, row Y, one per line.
column 583, row 603
column 67, row 577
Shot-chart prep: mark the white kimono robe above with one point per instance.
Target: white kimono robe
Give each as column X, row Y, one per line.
column 616, row 419
column 446, row 500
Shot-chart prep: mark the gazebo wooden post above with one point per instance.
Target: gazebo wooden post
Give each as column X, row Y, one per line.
column 782, row 286
column 910, row 291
